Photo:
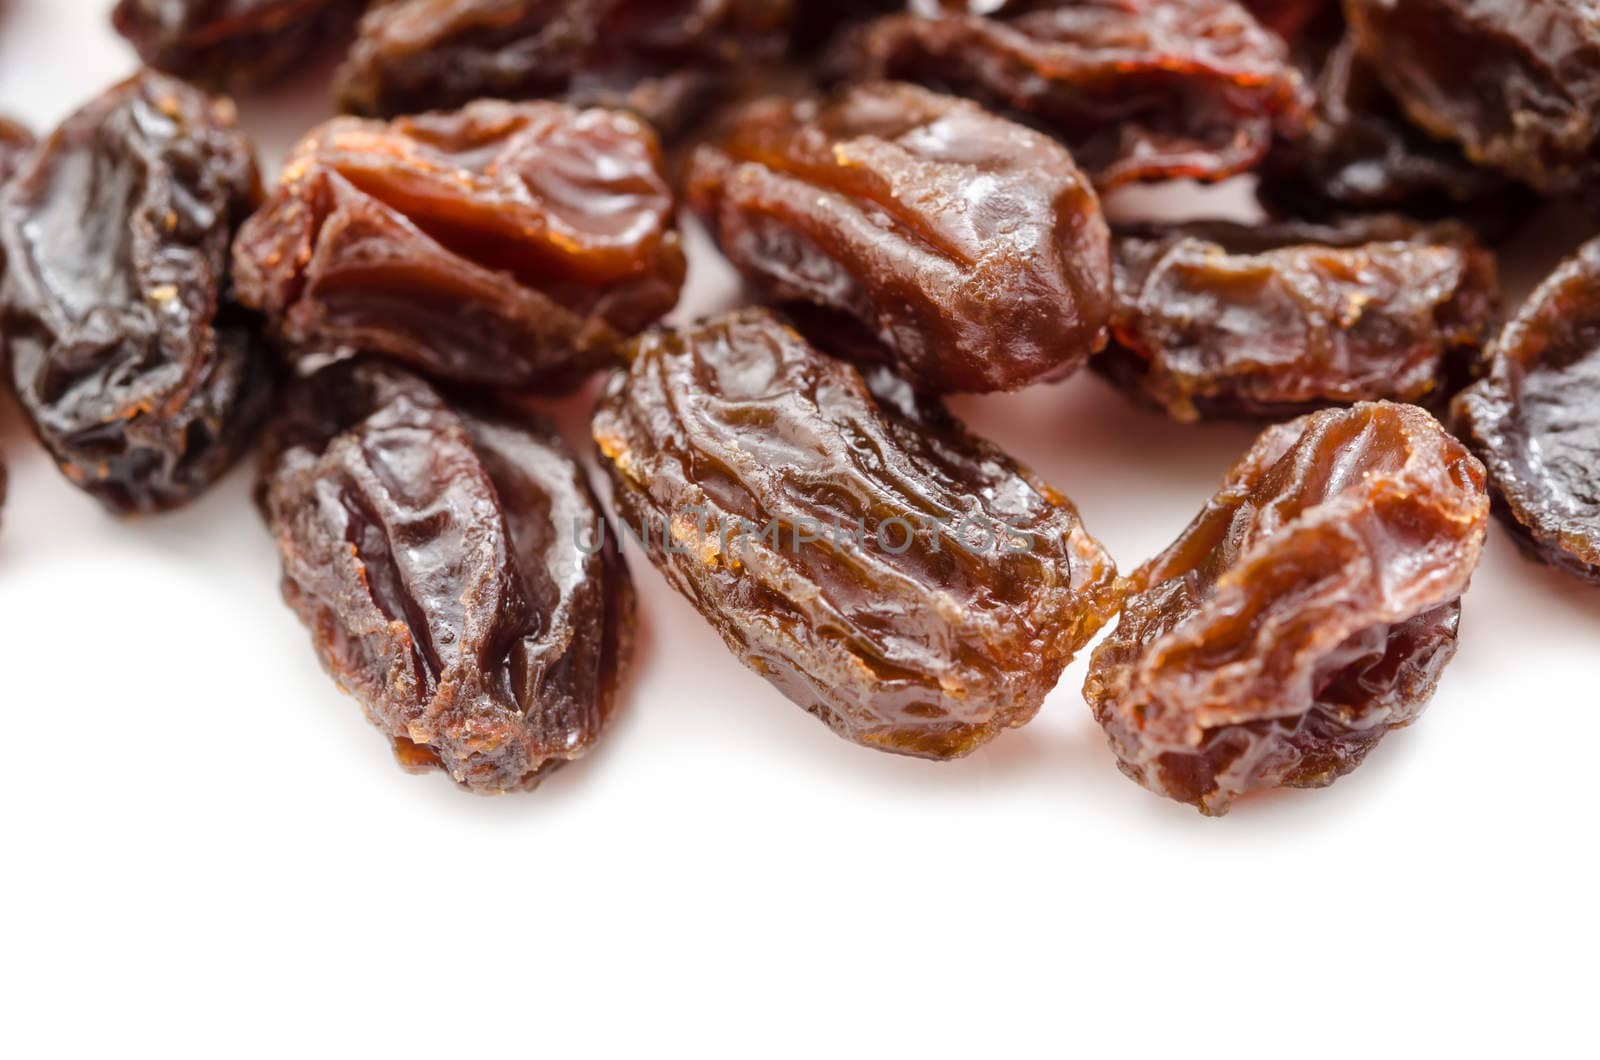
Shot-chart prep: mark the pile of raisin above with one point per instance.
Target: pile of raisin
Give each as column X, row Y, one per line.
column 910, row 192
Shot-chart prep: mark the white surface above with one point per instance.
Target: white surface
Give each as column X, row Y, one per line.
column 207, row 849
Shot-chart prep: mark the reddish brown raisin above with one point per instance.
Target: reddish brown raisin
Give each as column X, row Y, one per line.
column 503, row 244
column 1216, row 319
column 1535, row 418
column 1309, row 609
column 899, row 578
column 232, row 44
column 969, row 248
column 455, row 572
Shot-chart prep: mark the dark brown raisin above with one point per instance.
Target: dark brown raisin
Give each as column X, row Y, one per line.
column 899, row 578
column 232, row 44
column 455, row 571
column 1309, row 609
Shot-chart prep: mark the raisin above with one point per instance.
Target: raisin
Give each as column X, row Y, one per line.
column 232, row 44
column 1309, row 608
column 1292, row 19
column 1217, row 319
column 139, row 372
column 899, row 578
column 15, row 143
column 664, row 59
column 1534, row 419
column 503, row 244
column 1516, row 84
column 454, row 569
column 970, row 248
column 1140, row 90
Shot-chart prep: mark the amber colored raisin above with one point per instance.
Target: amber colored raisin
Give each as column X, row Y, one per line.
column 454, row 569
column 969, row 248
column 1534, row 419
column 503, row 244
column 1140, row 90
column 897, row 577
column 1515, row 83
column 1309, row 609
column 138, row 371
column 232, row 44
column 1218, row 319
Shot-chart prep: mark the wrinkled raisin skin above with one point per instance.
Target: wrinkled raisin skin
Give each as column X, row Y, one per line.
column 912, row 643
column 232, row 44
column 664, row 60
column 139, row 372
column 971, row 249
column 1309, row 609
column 1534, row 419
column 446, row 563
column 1140, row 90
column 502, row 245
column 1217, row 320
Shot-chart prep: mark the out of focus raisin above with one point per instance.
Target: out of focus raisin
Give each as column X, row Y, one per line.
column 899, row 578
column 15, row 142
column 232, row 44
column 502, row 244
column 1308, row 610
column 136, row 367
column 455, row 571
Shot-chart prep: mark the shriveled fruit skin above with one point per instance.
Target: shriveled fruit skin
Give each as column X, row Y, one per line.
column 664, row 59
column 1515, row 82
column 1291, row 19
column 455, row 570
column 970, row 249
column 1534, row 419
column 735, row 448
column 138, row 370
column 1308, row 610
column 503, row 244
column 1140, row 90
column 232, row 44
column 1217, row 319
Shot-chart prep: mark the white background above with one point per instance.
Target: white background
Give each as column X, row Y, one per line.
column 206, row 848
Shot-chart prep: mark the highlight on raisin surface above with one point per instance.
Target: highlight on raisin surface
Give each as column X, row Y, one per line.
column 136, row 368
column 1140, row 90
column 1534, row 419
column 1219, row 319
column 901, row 579
column 503, row 244
column 233, row 44
column 1308, row 610
column 965, row 250
column 454, row 569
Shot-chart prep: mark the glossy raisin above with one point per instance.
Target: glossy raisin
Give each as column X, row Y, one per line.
column 503, row 244
column 232, row 44
column 897, row 577
column 1140, row 90
column 1534, row 419
column 138, row 370
column 1218, row 319
column 970, row 249
column 1309, row 609
column 1515, row 82
column 664, row 59
column 454, row 569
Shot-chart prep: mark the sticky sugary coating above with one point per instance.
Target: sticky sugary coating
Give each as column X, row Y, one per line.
column 1308, row 609
column 455, row 571
column 899, row 578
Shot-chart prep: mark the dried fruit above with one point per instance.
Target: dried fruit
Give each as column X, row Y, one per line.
column 232, row 44
column 1515, row 83
column 1217, row 319
column 970, row 248
column 1292, row 19
column 15, row 142
column 1139, row 89
column 1309, row 609
column 503, row 244
column 664, row 59
column 138, row 370
column 899, row 578
column 1534, row 419
column 455, row 571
